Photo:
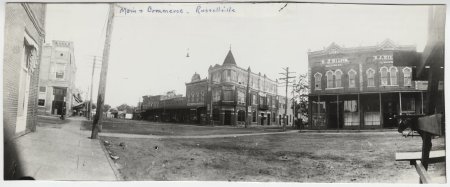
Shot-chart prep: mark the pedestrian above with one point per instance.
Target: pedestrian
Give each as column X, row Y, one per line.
column 63, row 113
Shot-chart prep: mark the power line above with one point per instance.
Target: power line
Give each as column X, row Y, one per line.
column 287, row 82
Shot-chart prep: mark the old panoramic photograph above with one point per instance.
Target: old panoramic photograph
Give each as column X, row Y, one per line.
column 297, row 92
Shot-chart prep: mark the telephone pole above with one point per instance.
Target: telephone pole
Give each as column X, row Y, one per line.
column 286, row 78
column 92, row 85
column 96, row 125
column 247, row 102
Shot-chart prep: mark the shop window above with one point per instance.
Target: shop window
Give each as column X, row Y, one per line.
column 384, row 76
column 338, row 76
column 408, row 104
column 329, row 79
column 351, row 78
column 407, row 76
column 241, row 115
column 318, row 81
column 216, row 115
column 393, row 75
column 351, row 106
column 41, row 102
column 370, row 77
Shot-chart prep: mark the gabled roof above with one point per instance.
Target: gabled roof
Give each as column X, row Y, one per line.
column 229, row 59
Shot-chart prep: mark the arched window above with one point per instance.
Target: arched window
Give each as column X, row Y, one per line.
column 384, row 76
column 318, row 81
column 393, row 75
column 370, row 77
column 407, row 76
column 351, row 78
column 338, row 76
column 329, row 79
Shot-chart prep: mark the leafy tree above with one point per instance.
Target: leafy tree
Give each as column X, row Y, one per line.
column 106, row 107
column 301, row 89
column 125, row 107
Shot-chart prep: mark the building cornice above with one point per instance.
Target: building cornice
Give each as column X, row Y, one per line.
column 33, row 19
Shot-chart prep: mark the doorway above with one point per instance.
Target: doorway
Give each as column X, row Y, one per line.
column 390, row 108
column 227, row 120
column 335, row 117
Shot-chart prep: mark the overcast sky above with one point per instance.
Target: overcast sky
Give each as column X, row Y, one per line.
column 148, row 50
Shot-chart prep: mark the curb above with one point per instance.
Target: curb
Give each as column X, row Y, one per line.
column 116, row 172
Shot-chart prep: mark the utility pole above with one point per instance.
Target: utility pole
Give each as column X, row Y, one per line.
column 92, row 85
column 286, row 78
column 96, row 125
column 247, row 102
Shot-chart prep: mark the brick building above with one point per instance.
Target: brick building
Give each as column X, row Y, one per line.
column 222, row 99
column 227, row 87
column 24, row 36
column 57, row 78
column 196, row 96
column 360, row 88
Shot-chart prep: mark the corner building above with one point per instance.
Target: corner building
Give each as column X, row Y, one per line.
column 228, row 94
column 360, row 88
column 57, row 78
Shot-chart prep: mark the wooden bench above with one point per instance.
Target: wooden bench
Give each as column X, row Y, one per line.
column 427, row 126
column 415, row 159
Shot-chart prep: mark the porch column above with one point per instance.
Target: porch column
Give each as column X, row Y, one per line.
column 381, row 111
column 337, row 106
column 361, row 114
column 421, row 101
column 400, row 98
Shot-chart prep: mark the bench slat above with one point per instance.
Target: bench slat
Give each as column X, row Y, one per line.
column 409, row 156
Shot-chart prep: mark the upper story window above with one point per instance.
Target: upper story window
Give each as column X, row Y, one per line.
column 384, row 76
column 393, row 75
column 60, row 69
column 351, row 78
column 254, row 101
column 370, row 77
column 338, row 80
column 407, row 76
column 228, row 95
column 216, row 95
column 318, row 81
column 42, row 89
column 330, row 76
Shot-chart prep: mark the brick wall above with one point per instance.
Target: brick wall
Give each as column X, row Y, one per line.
column 17, row 23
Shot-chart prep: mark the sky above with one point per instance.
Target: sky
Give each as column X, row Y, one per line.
column 148, row 50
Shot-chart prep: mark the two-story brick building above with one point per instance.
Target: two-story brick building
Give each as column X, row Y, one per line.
column 360, row 88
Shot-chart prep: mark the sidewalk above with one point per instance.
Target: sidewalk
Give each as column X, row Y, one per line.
column 64, row 153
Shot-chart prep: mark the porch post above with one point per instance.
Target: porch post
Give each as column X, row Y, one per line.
column 421, row 101
column 337, row 105
column 400, row 98
column 381, row 111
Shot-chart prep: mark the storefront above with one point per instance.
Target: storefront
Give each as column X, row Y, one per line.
column 360, row 88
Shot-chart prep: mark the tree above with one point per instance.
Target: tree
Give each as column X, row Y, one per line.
column 125, row 107
column 301, row 88
column 106, row 107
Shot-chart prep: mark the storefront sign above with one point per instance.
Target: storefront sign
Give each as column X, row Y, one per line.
column 384, row 59
column 334, row 62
